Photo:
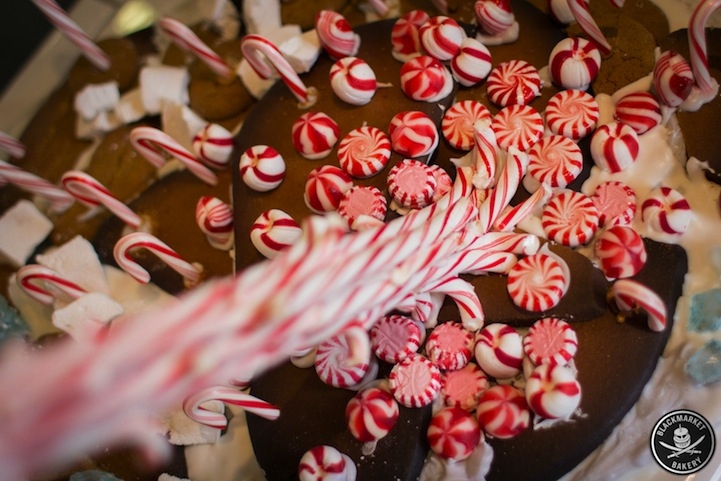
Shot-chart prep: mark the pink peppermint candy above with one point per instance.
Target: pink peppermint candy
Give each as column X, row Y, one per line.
column 371, row 414
column 59, row 198
column 499, row 350
column 143, row 240
column 515, row 82
column 441, row 37
column 666, row 210
column 494, row 16
column 362, row 201
column 620, row 252
column 425, row 79
column 570, row 218
column 215, row 219
column 639, row 110
column 336, row 35
column 326, row 463
column 152, row 144
column 572, row 113
column 450, row 346
column 579, row 9
column 453, row 433
column 550, row 341
column 463, row 387
column 213, row 144
column 518, row 126
column 616, row 203
column 353, row 80
column 11, row 145
column 555, row 160
column 274, row 231
column 314, row 135
column 538, row 282
column 92, row 193
column 630, row 295
column 413, row 134
column 672, row 78
column 415, row 381
column 457, row 123
column 187, row 40
column 411, row 184
column 574, row 63
column 34, row 278
column 364, row 151
column 405, row 36
column 472, row 63
column 344, row 359
column 503, row 412
column 324, row 188
column 552, row 391
column 444, row 183
column 395, row 337
column 262, row 168
column 193, row 406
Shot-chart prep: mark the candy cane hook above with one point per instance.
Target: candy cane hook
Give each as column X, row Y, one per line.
column 136, row 240
column 186, row 39
column 630, row 295
column 92, row 193
column 59, row 198
column 32, row 277
column 194, row 410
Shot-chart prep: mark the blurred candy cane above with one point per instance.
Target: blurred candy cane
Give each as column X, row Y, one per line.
column 74, row 33
column 11, row 145
column 630, row 295
column 508, row 220
column 151, row 142
column 186, row 39
column 32, row 277
column 697, row 44
column 194, row 410
column 137, row 240
column 579, row 8
column 259, row 52
column 92, row 193
column 379, row 6
column 59, row 198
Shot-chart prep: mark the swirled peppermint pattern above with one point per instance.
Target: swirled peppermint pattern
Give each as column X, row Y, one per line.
column 413, row 134
column 441, row 37
column 552, row 391
column 353, row 80
column 472, row 64
column 314, row 135
column 572, row 113
column 325, row 463
column 570, row 218
column 672, row 78
column 364, row 151
column 324, row 188
column 215, row 219
column 425, row 79
column 262, row 168
column 620, row 252
column 457, row 123
column 503, row 412
column 499, row 350
column 343, row 360
column 494, row 16
column 666, row 210
column 453, row 433
column 538, row 282
column 614, row 147
column 555, row 160
column 371, row 414
column 518, row 126
column 336, row 35
column 639, row 110
column 574, row 63
column 515, row 82
column 274, row 231
column 405, row 38
column 213, row 144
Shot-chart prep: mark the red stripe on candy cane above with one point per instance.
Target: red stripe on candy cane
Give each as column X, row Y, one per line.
column 137, row 240
column 186, row 39
column 33, row 277
column 23, row 179
column 629, row 295
column 11, row 145
column 92, row 193
column 697, row 43
column 579, row 8
column 194, row 410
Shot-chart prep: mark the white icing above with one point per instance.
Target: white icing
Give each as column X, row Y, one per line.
column 509, row 35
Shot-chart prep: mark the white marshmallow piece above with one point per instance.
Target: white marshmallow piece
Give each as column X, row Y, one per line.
column 181, row 123
column 170, row 477
column 130, row 107
column 77, row 261
column 183, row 431
column 160, row 84
column 22, row 228
column 223, row 15
column 262, row 17
column 96, row 98
column 86, row 316
column 302, row 51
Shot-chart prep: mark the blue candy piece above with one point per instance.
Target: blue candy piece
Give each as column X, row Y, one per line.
column 705, row 311
column 11, row 323
column 704, row 366
column 94, row 475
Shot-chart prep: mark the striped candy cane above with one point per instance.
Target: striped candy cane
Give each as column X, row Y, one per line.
column 137, row 240
column 11, row 145
column 33, row 277
column 504, row 191
column 484, row 154
column 629, row 295
column 59, row 198
column 508, row 220
column 194, row 410
column 186, row 39
column 579, row 8
column 379, row 6
column 697, row 44
column 92, row 193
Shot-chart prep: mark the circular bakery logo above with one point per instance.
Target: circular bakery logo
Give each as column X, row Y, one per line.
column 683, row 442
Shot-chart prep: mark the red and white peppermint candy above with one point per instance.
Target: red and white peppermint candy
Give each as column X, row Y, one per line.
column 371, row 414
column 620, row 252
column 614, row 147
column 262, row 168
column 187, row 40
column 29, row 182
column 326, row 463
column 11, row 145
column 630, row 295
column 570, row 218
column 453, row 433
column 395, row 337
column 574, row 63
column 213, row 144
column 550, row 341
column 215, row 219
column 143, row 240
column 499, row 350
column 353, row 80
column 555, row 160
column 193, row 406
column 672, row 78
column 344, row 359
column 314, row 135
column 415, row 381
column 364, row 151
column 151, row 143
column 666, row 210
column 450, row 346
column 362, row 200
column 639, row 110
column 413, row 134
column 411, row 184
column 336, row 35
column 472, row 64
column 457, row 123
column 515, row 82
column 616, row 203
column 405, row 37
column 441, row 37
column 572, row 113
column 92, row 193
column 425, row 79
column 33, row 278
column 273, row 231
column 538, row 282
column 503, row 412
column 518, row 126
column 324, row 188
column 463, row 387
column 494, row 16
column 552, row 391
column 697, row 41
column 579, row 9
